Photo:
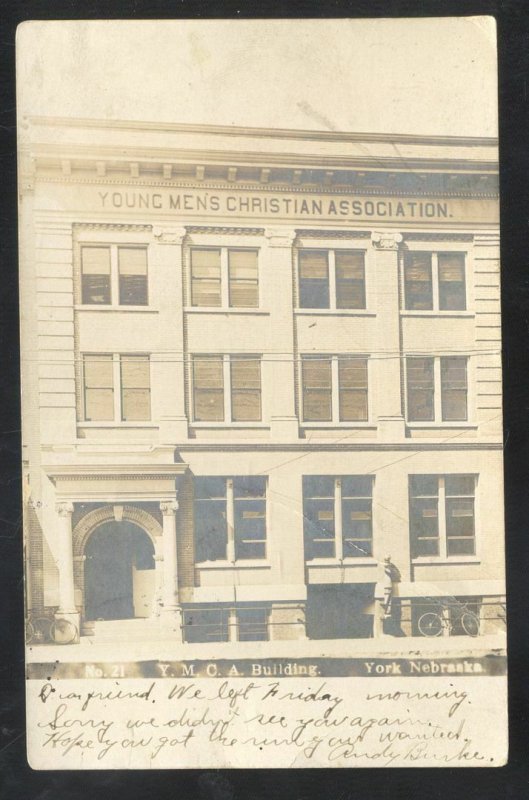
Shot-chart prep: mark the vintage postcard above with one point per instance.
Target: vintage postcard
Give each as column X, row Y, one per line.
column 262, row 412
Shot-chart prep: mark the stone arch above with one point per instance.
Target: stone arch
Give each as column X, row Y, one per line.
column 88, row 523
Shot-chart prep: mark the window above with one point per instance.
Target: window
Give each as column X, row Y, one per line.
column 222, row 623
column 135, row 388
column 129, row 374
column 98, row 373
column 437, row 389
column 239, row 375
column 252, row 624
column 132, row 262
column 224, row 277
column 114, row 274
column 333, row 279
column 205, row 277
column 230, row 518
column 249, row 506
column 334, row 388
column 95, row 270
column 337, row 515
column 442, row 515
column 434, row 281
column 211, row 533
column 206, row 624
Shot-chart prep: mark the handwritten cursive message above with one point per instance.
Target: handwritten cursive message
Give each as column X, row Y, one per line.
column 234, row 722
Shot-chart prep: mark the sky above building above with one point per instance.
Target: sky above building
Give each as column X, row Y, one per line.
column 417, row 76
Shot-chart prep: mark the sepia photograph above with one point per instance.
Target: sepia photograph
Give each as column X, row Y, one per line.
column 262, row 393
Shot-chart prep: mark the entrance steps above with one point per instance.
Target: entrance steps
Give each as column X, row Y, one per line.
column 134, row 630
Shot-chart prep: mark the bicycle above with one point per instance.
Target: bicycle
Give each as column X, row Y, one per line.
column 432, row 623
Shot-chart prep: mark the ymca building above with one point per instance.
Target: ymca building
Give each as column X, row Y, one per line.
column 261, row 382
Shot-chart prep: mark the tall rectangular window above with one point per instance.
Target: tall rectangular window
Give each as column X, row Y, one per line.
column 452, row 293
column 418, row 289
column 313, row 279
column 205, row 277
column 350, row 279
column 352, row 380
column 132, row 265
column 421, row 388
column 211, row 532
column 95, row 275
column 357, row 522
column 317, row 389
column 135, row 388
column 319, row 516
column 460, row 532
column 245, row 388
column 442, row 515
column 454, row 388
column 98, row 375
column 243, row 278
column 249, row 500
column 337, row 515
column 424, row 515
column 208, row 388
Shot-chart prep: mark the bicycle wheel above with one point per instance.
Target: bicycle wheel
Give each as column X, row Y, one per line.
column 42, row 628
column 470, row 624
column 63, row 631
column 430, row 624
column 30, row 632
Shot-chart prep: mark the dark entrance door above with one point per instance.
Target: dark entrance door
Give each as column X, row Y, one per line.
column 112, row 551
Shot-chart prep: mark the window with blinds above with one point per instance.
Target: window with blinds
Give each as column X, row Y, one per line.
column 350, row 279
column 317, row 389
column 333, row 279
column 452, row 292
column 95, row 275
column 98, row 379
column 314, row 279
column 352, row 381
column 208, row 388
column 132, row 266
column 135, row 388
column 245, row 373
column 420, row 389
column 205, row 277
column 243, row 278
column 434, row 281
column 418, row 289
column 454, row 388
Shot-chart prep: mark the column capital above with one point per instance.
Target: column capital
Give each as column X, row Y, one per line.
column 386, row 240
column 169, row 507
column 169, row 234
column 280, row 237
column 64, row 509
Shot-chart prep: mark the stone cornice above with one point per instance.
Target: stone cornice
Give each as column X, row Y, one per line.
column 276, row 188
column 275, row 133
column 103, row 472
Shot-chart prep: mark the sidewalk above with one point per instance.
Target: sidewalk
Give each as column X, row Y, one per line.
column 386, row 647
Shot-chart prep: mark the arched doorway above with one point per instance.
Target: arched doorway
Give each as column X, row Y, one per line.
column 119, row 576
